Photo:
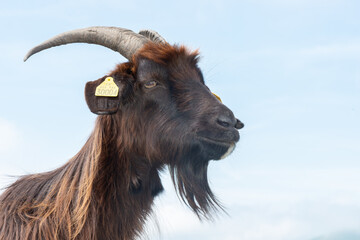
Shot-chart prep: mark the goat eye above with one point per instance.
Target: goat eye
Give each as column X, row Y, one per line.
column 150, row 84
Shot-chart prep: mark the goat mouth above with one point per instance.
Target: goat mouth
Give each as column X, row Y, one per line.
column 216, row 141
column 219, row 149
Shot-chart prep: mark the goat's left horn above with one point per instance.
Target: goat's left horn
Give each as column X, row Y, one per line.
column 121, row 40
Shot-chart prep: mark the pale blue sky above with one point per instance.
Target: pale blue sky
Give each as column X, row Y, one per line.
column 289, row 69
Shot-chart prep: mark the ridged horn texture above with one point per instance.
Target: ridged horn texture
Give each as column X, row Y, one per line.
column 153, row 36
column 121, row 40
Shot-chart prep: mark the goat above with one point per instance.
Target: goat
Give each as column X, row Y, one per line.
column 154, row 111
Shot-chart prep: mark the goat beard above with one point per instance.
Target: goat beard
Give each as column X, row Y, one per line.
column 189, row 175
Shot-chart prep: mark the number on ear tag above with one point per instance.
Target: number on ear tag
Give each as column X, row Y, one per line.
column 107, row 88
column 217, row 97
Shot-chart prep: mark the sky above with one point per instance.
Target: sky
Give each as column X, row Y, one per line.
column 289, row 69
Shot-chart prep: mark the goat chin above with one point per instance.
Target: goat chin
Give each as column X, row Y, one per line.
column 229, row 151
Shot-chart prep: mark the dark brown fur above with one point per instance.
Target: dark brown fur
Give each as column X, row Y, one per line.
column 107, row 189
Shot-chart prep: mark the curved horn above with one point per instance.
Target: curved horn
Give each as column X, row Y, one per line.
column 121, row 40
column 153, row 36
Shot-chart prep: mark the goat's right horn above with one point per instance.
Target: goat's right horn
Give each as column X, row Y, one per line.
column 153, row 36
column 121, row 40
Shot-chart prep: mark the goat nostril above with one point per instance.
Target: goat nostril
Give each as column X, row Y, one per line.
column 223, row 123
column 226, row 119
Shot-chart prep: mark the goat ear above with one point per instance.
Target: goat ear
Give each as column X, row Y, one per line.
column 103, row 104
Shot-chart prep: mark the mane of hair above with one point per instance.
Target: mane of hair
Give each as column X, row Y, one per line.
column 56, row 202
column 69, row 202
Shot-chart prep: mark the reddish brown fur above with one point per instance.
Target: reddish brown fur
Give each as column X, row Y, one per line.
column 165, row 53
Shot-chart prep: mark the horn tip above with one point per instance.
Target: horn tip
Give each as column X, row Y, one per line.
column 27, row 56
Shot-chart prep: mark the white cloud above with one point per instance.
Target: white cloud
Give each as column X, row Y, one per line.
column 171, row 219
column 10, row 136
column 10, row 142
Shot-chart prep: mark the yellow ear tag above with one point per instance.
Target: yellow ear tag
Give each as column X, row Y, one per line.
column 107, row 88
column 217, row 97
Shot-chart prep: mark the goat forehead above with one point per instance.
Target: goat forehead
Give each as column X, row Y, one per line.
column 150, row 69
column 178, row 72
column 187, row 78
